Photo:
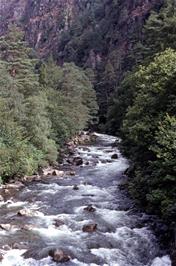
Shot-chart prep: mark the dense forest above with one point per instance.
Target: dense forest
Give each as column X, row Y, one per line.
column 41, row 106
column 143, row 112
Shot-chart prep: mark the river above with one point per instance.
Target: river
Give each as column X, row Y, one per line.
column 120, row 239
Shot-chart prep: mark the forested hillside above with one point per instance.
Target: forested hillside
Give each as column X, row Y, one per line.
column 143, row 113
column 41, row 106
column 97, row 34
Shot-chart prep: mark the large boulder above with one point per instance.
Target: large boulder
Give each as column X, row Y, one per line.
column 59, row 256
column 89, row 228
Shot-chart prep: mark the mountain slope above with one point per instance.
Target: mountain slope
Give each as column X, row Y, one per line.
column 92, row 33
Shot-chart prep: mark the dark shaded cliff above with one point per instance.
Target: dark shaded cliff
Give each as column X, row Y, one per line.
column 92, row 33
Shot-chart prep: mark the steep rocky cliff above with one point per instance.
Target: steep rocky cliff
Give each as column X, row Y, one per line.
column 99, row 34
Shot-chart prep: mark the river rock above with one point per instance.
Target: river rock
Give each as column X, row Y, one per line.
column 77, row 161
column 116, row 143
column 58, row 173
column 59, row 256
column 1, row 257
column 89, row 228
column 15, row 185
column 85, row 149
column 75, row 187
column 103, row 161
column 108, row 151
column 58, row 223
column 6, row 247
column 7, row 227
column 28, row 227
column 72, row 173
column 19, row 246
column 95, row 161
column 28, row 213
column 90, row 208
column 31, row 178
column 114, row 156
column 1, row 198
column 109, row 161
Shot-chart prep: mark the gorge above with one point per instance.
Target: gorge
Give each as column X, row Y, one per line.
column 74, row 65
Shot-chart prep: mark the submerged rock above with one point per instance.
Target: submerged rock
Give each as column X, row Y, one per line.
column 89, row 228
column 19, row 246
column 77, row 161
column 58, row 223
column 108, row 151
column 85, row 149
column 90, row 208
column 59, row 256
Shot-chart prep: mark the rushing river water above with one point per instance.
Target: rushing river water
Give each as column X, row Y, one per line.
column 120, row 238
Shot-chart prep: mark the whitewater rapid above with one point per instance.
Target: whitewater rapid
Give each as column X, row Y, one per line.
column 121, row 238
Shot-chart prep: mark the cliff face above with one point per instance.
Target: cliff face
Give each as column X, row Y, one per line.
column 10, row 11
column 45, row 20
column 93, row 33
column 42, row 20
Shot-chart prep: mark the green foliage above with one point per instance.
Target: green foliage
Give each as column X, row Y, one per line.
column 41, row 106
column 145, row 114
column 71, row 99
column 159, row 31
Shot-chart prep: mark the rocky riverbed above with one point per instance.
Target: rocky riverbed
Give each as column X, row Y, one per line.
column 77, row 215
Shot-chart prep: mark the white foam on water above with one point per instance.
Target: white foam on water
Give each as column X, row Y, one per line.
column 14, row 258
column 61, row 233
column 110, row 256
column 3, row 233
column 164, row 261
column 13, row 204
column 124, row 233
column 79, row 263
column 2, row 203
column 98, row 193
column 49, row 188
column 115, row 167
column 112, row 216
